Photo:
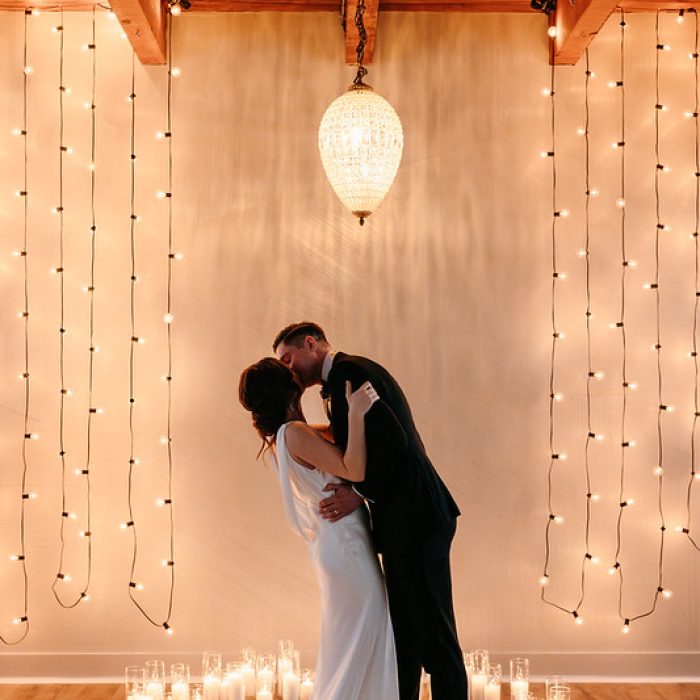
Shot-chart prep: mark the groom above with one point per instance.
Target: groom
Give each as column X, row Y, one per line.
column 413, row 514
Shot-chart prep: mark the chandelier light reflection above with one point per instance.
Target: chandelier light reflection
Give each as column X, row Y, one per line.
column 361, row 140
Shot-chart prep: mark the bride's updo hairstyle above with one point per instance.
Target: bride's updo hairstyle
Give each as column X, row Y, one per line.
column 267, row 389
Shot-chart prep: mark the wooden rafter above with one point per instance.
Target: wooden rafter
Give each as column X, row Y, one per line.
column 577, row 24
column 352, row 36
column 144, row 23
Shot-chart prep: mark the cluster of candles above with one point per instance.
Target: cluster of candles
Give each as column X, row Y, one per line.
column 485, row 679
column 252, row 677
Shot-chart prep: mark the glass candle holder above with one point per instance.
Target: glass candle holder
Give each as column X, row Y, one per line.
column 492, row 688
column 519, row 678
column 266, row 672
column 480, row 669
column 306, row 689
column 233, row 685
column 155, row 679
column 180, row 682
column 552, row 681
column 135, row 682
column 249, row 658
column 287, row 662
column 211, row 675
column 559, row 692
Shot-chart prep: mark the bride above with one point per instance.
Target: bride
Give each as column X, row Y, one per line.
column 356, row 659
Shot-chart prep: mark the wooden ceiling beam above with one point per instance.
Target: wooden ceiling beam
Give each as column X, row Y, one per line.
column 577, row 24
column 144, row 23
column 352, row 36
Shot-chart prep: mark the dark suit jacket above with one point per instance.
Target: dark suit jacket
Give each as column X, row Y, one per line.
column 407, row 497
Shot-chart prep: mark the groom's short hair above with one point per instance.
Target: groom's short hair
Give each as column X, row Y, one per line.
column 295, row 333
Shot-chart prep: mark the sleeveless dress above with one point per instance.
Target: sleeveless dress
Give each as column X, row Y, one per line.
column 357, row 658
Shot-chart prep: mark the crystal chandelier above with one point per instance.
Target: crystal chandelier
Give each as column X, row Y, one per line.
column 360, row 140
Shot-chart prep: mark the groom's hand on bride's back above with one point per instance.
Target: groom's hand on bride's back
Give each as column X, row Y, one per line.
column 343, row 502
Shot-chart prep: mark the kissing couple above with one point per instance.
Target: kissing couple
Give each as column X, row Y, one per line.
column 380, row 623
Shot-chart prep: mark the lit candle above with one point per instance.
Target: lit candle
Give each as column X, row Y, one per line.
column 284, row 666
column 154, row 691
column 264, row 694
column 291, row 686
column 519, row 689
column 492, row 691
column 180, row 691
column 477, row 686
column 306, row 690
column 212, row 688
column 249, row 680
column 234, row 686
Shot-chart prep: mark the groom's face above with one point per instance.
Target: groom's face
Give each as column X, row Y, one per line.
column 302, row 360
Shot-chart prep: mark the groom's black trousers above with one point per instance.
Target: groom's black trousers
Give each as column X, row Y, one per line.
column 419, row 585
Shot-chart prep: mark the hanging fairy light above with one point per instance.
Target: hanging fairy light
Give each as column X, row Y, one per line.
column 361, row 140
column 26, row 436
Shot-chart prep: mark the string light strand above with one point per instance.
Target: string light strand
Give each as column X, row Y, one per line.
column 25, row 497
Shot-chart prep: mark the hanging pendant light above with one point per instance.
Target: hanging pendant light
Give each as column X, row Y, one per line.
column 361, row 140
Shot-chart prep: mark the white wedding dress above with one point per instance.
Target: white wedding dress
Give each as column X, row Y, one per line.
column 356, row 659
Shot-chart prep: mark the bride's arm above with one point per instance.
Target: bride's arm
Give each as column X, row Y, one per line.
column 309, row 448
column 324, row 431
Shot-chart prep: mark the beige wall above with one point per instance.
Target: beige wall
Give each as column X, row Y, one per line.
column 448, row 284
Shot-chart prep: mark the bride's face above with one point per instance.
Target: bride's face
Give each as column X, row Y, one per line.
column 302, row 360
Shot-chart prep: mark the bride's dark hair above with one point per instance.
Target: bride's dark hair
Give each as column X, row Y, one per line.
column 267, row 389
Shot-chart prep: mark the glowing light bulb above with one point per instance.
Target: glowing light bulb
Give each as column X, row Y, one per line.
column 28, row 70
column 176, row 72
column 579, row 620
column 175, row 10
column 552, row 32
column 558, row 397
column 168, row 318
column 658, row 471
column 595, row 497
column 666, row 593
column 599, row 375
column 626, row 628
column 559, row 519
column 547, row 92
column 581, row 131
column 544, row 580
column 620, row 203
